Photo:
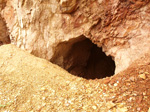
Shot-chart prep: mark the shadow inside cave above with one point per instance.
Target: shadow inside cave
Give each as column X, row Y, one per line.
column 82, row 58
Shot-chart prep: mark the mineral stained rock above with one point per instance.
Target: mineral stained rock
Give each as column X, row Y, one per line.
column 4, row 35
column 120, row 27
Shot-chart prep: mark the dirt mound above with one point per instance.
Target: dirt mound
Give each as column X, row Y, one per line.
column 28, row 83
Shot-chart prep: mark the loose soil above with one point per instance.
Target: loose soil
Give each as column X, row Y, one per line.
column 31, row 84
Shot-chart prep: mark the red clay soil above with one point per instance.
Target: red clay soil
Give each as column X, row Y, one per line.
column 31, row 84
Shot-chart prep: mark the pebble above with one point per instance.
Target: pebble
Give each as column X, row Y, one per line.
column 149, row 109
column 94, row 107
column 132, row 78
column 115, row 84
column 143, row 76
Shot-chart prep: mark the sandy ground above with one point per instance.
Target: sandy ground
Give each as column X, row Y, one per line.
column 31, row 84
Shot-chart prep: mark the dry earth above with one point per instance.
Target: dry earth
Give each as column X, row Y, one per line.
column 31, row 84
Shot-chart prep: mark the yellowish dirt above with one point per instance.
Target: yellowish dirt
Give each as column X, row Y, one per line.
column 31, row 84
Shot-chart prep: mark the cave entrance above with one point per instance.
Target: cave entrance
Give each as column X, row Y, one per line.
column 82, row 58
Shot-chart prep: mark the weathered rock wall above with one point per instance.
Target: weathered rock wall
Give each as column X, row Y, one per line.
column 124, row 33
column 4, row 35
column 118, row 26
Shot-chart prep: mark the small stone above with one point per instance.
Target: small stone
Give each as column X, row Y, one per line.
column 143, row 76
column 138, row 109
column 67, row 104
column 140, row 99
column 110, row 104
column 94, row 107
column 43, row 98
column 43, row 89
column 70, row 102
column 106, row 81
column 128, row 84
column 123, row 109
column 67, row 6
column 144, row 93
column 149, row 109
column 146, row 73
column 115, row 84
column 132, row 78
column 85, row 107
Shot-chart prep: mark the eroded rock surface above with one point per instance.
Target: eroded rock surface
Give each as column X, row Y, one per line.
column 120, row 27
column 4, row 35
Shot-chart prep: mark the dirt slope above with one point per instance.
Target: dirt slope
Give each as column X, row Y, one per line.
column 31, row 84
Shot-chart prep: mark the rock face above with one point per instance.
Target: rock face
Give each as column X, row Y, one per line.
column 4, row 35
column 49, row 29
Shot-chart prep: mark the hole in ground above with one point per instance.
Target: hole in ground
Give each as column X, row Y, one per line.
column 82, row 58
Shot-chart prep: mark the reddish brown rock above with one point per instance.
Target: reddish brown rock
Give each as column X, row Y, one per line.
column 4, row 35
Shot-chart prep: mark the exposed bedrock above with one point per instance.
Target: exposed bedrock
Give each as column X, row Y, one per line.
column 120, row 29
column 4, row 35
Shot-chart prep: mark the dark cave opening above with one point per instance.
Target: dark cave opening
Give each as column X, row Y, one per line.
column 82, row 58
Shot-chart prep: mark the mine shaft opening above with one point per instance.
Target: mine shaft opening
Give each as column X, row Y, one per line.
column 82, row 58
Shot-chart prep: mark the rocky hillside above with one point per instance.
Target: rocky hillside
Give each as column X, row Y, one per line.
column 75, row 55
